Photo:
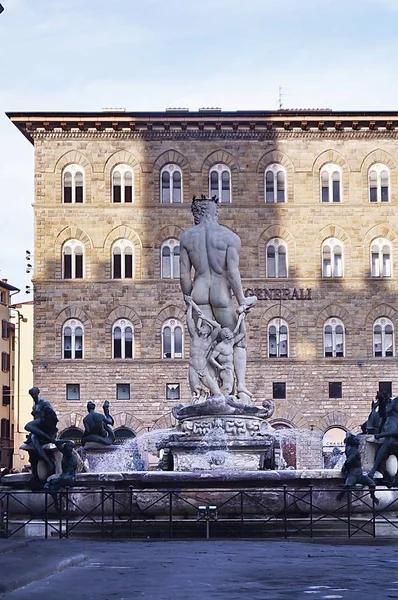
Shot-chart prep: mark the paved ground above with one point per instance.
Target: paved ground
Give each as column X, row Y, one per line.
column 197, row 570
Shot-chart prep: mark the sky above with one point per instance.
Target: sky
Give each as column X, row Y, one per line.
column 86, row 55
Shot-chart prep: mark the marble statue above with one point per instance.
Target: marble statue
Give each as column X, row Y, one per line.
column 212, row 252
column 97, row 426
column 203, row 334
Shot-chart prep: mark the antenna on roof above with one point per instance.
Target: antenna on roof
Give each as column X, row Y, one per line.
column 280, row 96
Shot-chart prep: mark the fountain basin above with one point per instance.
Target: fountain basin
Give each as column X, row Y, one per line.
column 153, row 494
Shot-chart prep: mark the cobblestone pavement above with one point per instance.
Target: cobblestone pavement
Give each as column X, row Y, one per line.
column 198, row 570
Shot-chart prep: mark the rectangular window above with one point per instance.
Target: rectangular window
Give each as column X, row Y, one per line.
column 4, row 329
column 67, row 266
column 79, row 266
column 79, row 193
column 172, row 391
column 5, row 361
column 2, row 297
column 6, row 395
column 67, row 194
column 117, row 193
column 279, row 391
column 123, row 391
column 5, row 429
column 335, row 389
column 336, row 191
column 117, row 266
column 128, row 193
column 128, row 266
column 73, row 391
column 385, row 387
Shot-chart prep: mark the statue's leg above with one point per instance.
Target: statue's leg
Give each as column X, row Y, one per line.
column 34, row 428
column 211, row 383
column 194, row 382
column 40, row 451
column 227, row 379
column 381, row 455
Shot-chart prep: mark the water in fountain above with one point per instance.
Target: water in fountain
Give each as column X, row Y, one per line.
column 134, row 454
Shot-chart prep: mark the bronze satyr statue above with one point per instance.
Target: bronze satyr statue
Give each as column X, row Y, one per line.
column 43, row 428
column 353, row 468
column 97, row 426
column 69, row 466
column 389, row 434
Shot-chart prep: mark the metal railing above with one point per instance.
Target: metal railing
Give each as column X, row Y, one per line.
column 250, row 513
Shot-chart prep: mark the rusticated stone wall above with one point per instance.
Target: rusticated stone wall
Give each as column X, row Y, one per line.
column 303, row 222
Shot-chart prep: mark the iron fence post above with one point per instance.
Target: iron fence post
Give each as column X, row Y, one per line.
column 102, row 512
column 67, row 513
column 373, row 515
column 349, row 499
column 242, row 520
column 60, row 516
column 311, row 511
column 45, row 514
column 285, row 509
column 113, row 512
column 130, row 511
column 170, row 514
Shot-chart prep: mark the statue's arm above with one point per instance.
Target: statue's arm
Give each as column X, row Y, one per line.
column 233, row 273
column 211, row 322
column 238, row 323
column 185, row 271
column 213, row 361
column 190, row 321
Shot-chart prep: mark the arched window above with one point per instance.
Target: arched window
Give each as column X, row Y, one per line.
column 72, row 339
column 122, row 339
column 379, row 183
column 278, row 339
column 72, row 260
column 332, row 258
column 331, row 183
column 276, row 258
column 171, row 184
column 333, row 448
column 170, row 263
column 333, row 338
column 122, row 184
column 220, row 183
column 380, row 258
column 122, row 434
column 275, row 183
column 72, row 433
column 122, row 260
column 383, row 337
column 73, row 184
column 172, row 339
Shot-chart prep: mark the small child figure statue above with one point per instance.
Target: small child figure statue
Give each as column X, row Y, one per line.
column 353, row 467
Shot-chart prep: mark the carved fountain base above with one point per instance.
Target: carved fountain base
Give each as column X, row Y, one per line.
column 221, row 433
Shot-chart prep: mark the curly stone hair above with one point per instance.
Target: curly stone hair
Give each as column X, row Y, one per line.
column 203, row 207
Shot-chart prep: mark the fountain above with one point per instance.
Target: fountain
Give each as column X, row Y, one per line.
column 222, row 440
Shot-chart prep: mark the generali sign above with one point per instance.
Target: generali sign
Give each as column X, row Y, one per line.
column 280, row 293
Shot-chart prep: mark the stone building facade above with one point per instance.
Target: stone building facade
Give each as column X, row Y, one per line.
column 313, row 196
column 7, row 376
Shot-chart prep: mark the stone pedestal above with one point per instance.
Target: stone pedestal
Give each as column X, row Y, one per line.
column 227, row 442
column 100, row 457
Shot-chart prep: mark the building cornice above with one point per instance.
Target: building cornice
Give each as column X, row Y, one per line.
column 205, row 124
